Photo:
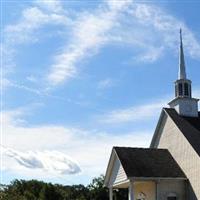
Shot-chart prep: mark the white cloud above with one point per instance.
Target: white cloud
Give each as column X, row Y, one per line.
column 166, row 25
column 50, row 161
column 134, row 113
column 151, row 54
column 7, row 83
column 29, row 28
column 88, row 35
column 50, row 5
column 118, row 22
column 32, row 19
column 118, row 5
column 124, row 23
column 33, row 147
column 63, row 68
column 44, row 92
column 139, row 112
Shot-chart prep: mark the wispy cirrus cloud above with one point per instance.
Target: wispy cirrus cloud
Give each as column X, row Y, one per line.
column 53, row 5
column 32, row 19
column 139, row 112
column 151, row 55
column 134, row 113
column 7, row 83
column 167, row 25
column 122, row 24
column 89, row 33
column 112, row 22
column 43, row 92
column 27, row 29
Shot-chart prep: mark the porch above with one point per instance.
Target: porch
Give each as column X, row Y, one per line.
column 155, row 189
column 148, row 174
column 137, row 190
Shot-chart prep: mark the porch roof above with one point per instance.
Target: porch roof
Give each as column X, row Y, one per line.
column 148, row 162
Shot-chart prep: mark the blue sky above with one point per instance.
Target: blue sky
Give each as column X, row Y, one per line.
column 80, row 77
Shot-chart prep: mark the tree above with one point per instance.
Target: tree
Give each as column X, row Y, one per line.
column 49, row 192
column 97, row 190
column 38, row 190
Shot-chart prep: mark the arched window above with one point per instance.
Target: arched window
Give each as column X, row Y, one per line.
column 180, row 89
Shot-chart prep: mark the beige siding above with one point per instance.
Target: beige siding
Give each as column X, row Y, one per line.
column 147, row 187
column 172, row 139
column 162, row 189
column 165, row 187
column 118, row 174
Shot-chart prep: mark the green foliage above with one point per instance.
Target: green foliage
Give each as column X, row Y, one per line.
column 97, row 191
column 38, row 190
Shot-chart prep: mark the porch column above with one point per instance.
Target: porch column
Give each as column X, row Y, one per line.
column 110, row 193
column 131, row 191
column 157, row 182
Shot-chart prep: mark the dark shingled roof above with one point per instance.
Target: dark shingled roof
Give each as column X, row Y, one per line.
column 194, row 121
column 148, row 162
column 189, row 126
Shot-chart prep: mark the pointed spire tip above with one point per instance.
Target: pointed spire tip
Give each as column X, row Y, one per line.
column 182, row 70
column 180, row 36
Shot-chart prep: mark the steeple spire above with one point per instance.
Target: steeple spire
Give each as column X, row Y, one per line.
column 182, row 71
column 184, row 103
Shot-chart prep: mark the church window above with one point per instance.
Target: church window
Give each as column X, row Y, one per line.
column 189, row 88
column 180, row 88
column 186, row 89
column 172, row 196
column 176, row 90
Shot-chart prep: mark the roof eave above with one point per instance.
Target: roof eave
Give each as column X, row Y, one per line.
column 175, row 99
column 113, row 156
column 109, row 168
column 152, row 145
column 156, row 178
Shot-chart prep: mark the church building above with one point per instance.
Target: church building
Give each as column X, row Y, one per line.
column 170, row 168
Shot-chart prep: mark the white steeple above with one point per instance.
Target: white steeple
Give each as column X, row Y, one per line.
column 183, row 103
column 182, row 71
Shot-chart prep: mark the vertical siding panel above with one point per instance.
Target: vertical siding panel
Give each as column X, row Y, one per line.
column 187, row 158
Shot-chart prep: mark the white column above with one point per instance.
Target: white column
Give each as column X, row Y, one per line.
column 131, row 191
column 157, row 189
column 157, row 192
column 110, row 193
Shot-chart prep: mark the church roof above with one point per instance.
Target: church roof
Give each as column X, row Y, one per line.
column 194, row 121
column 189, row 126
column 148, row 163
